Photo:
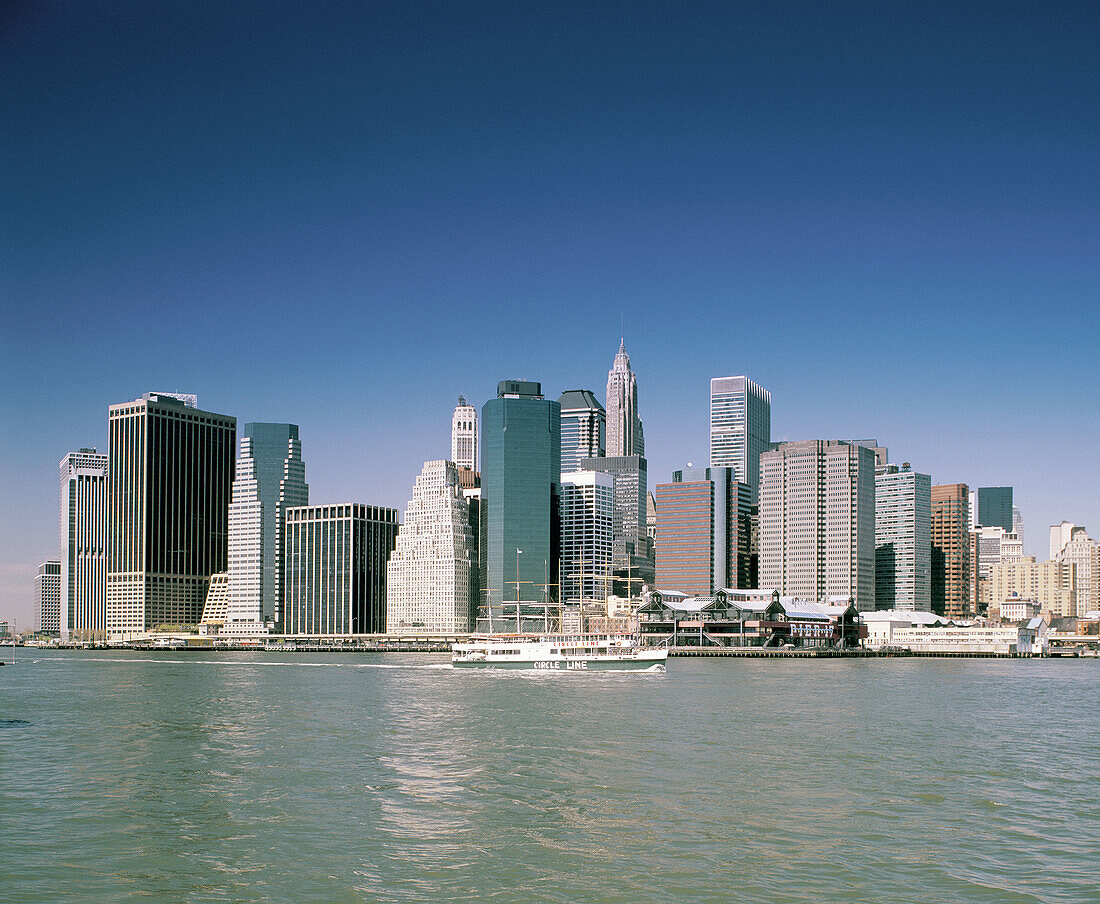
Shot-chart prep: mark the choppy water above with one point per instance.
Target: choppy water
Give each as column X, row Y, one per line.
column 348, row 778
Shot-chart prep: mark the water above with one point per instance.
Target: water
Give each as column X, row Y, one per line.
column 349, row 778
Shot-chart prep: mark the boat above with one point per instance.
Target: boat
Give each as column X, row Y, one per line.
column 558, row 652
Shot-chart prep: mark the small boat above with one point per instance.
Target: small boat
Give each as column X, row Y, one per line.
column 558, row 652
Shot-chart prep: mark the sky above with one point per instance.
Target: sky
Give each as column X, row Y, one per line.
column 342, row 215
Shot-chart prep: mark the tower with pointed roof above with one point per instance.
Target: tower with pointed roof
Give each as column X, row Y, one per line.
column 624, row 427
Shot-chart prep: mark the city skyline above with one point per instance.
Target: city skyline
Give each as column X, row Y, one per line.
column 440, row 201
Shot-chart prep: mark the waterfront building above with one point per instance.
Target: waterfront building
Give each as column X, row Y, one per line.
column 903, row 538
column 169, row 479
column 47, row 597
column 583, row 422
column 1084, row 553
column 84, row 545
column 995, row 507
column 632, row 553
column 1053, row 585
column 464, row 436
column 215, row 612
column 1016, row 609
column 432, row 582
column 703, row 532
column 587, row 515
column 520, row 503
column 740, row 427
column 335, row 568
column 817, row 521
column 950, row 559
column 624, row 425
column 270, row 478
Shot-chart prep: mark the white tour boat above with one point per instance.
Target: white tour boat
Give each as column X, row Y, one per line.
column 564, row 652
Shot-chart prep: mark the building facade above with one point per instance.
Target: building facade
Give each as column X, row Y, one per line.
column 270, row 478
column 464, row 436
column 1084, row 553
column 995, row 508
column 624, row 424
column 335, row 568
column 950, row 559
column 583, row 422
column 1053, row 585
column 740, row 427
column 587, row 535
column 84, row 545
column 47, row 597
column 817, row 521
column 432, row 582
column 169, row 481
column 903, row 539
column 632, row 553
column 520, row 507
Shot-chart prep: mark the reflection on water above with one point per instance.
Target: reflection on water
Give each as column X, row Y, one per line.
column 357, row 777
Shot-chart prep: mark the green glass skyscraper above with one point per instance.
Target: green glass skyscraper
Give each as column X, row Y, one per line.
column 520, row 506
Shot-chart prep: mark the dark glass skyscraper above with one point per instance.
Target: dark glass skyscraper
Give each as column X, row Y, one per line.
column 583, row 423
column 995, row 507
column 520, row 503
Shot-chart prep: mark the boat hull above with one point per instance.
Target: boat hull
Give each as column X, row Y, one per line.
column 642, row 663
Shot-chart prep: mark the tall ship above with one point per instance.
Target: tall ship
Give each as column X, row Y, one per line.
column 558, row 652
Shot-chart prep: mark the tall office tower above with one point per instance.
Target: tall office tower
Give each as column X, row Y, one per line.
column 740, row 427
column 582, row 428
column 817, row 521
column 1053, row 585
column 270, row 478
column 632, row 553
column 587, row 508
column 703, row 532
column 1018, row 523
column 1060, row 535
column 335, row 568
column 84, row 545
column 972, row 509
column 624, row 426
column 1084, row 553
column 464, row 435
column 995, row 507
column 47, row 597
column 432, row 582
column 650, row 517
column 520, row 503
column 950, row 595
column 169, row 477
column 903, row 539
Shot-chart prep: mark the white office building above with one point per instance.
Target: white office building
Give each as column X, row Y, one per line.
column 587, row 536
column 740, row 427
column 817, row 521
column 47, row 597
column 433, row 571
column 903, row 539
column 464, row 435
column 1080, row 549
column 83, row 558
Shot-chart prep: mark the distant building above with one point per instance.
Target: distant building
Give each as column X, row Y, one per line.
column 520, row 507
column 950, row 559
column 817, row 521
column 335, row 568
column 464, row 436
column 1053, row 585
column 740, row 427
column 632, row 554
column 1084, row 553
column 215, row 612
column 903, row 539
column 583, row 422
column 1015, row 609
column 47, row 597
column 169, row 477
column 994, row 546
column 995, row 507
column 84, row 545
column 1018, row 524
column 587, row 509
column 624, row 425
column 432, row 583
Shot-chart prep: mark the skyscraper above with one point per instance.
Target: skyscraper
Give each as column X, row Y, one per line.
column 47, row 597
column 995, row 507
column 335, row 568
column 587, row 506
column 432, row 582
column 169, row 477
column 624, row 426
column 632, row 551
column 740, row 427
column 520, row 502
column 903, row 539
column 950, row 594
column 84, row 545
column 817, row 521
column 583, row 421
column 1084, row 553
column 270, row 477
column 464, row 435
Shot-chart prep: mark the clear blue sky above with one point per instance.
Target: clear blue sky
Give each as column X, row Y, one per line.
column 343, row 215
